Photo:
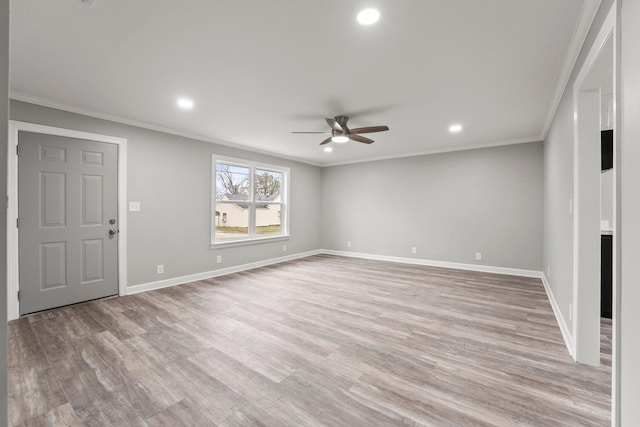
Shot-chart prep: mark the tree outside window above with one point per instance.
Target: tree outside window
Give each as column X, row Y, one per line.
column 249, row 201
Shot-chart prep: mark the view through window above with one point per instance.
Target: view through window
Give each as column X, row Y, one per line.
column 249, row 201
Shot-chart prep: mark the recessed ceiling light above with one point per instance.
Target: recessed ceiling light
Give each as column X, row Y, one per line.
column 340, row 139
column 328, row 149
column 368, row 16
column 185, row 103
column 455, row 128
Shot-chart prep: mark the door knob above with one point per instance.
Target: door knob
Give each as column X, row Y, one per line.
column 112, row 231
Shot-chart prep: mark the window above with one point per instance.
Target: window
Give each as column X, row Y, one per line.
column 249, row 201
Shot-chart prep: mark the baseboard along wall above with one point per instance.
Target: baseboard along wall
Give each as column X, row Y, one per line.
column 564, row 329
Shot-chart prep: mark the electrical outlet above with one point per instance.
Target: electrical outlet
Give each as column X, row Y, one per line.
column 349, row 244
column 219, row 259
column 134, row 206
column 284, row 248
column 159, row 269
column 570, row 311
column 478, row 256
column 414, row 250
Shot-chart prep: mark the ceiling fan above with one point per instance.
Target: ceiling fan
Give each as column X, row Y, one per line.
column 341, row 133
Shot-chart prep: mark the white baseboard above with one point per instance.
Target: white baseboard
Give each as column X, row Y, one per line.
column 459, row 266
column 444, row 264
column 243, row 267
column 135, row 289
column 568, row 339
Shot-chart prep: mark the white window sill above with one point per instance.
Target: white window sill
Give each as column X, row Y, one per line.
column 247, row 242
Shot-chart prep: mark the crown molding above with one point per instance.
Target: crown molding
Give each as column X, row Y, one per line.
column 43, row 102
column 437, row 151
column 587, row 15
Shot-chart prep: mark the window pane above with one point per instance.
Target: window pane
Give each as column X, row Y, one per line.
column 231, row 221
column 268, row 185
column 268, row 219
column 232, row 182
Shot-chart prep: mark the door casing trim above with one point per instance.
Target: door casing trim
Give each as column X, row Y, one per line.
column 13, row 307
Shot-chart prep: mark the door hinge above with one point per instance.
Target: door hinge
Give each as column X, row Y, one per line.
column 18, row 294
column 17, row 222
column 17, row 150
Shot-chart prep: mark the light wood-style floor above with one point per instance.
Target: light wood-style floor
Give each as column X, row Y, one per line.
column 319, row 341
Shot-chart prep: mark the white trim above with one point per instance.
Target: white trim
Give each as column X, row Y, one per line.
column 144, row 287
column 585, row 21
column 564, row 329
column 31, row 99
column 443, row 264
column 587, row 15
column 13, row 310
column 413, row 261
column 437, row 151
column 20, row 96
column 606, row 31
column 250, row 266
column 480, row 268
column 248, row 242
column 284, row 203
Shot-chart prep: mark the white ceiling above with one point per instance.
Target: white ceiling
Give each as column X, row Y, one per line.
column 258, row 70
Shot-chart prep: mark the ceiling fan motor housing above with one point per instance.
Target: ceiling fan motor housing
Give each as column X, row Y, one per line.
column 342, row 121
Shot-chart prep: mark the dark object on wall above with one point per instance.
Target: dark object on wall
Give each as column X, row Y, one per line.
column 606, row 276
column 606, row 158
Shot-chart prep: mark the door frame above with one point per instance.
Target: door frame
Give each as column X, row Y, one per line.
column 13, row 261
column 608, row 33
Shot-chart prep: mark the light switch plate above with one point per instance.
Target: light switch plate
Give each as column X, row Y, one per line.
column 134, row 206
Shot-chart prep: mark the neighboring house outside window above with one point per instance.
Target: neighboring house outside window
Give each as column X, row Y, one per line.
column 249, row 201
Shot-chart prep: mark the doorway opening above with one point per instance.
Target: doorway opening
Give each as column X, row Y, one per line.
column 595, row 292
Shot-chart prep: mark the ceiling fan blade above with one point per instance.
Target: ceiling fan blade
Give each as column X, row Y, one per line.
column 359, row 138
column 326, row 141
column 370, row 129
column 334, row 125
column 323, row 133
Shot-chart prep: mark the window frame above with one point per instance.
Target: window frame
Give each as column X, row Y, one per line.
column 252, row 237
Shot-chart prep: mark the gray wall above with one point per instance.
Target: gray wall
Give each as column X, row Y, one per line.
column 448, row 206
column 4, row 115
column 171, row 177
column 558, row 187
column 629, row 209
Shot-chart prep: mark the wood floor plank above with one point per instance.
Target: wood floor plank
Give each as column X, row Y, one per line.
column 323, row 340
column 34, row 391
column 63, row 415
column 180, row 414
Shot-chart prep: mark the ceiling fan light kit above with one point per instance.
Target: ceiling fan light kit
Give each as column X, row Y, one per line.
column 340, row 132
column 340, row 139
